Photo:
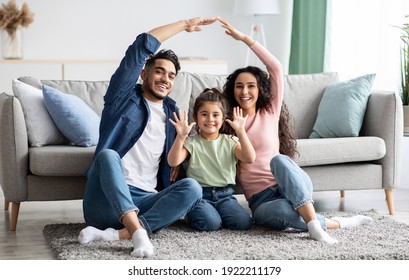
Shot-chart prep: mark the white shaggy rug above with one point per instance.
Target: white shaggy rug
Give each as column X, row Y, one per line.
column 384, row 239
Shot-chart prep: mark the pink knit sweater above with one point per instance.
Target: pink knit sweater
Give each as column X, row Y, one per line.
column 262, row 130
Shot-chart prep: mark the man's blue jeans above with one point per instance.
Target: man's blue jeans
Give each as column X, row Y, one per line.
column 275, row 207
column 108, row 197
column 219, row 208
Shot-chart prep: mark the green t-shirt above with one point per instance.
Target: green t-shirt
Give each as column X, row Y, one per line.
column 212, row 163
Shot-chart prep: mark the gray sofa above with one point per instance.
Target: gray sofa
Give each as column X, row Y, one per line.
column 55, row 172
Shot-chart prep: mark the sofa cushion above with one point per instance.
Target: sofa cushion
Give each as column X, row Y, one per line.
column 60, row 160
column 302, row 94
column 323, row 151
column 342, row 108
column 189, row 85
column 78, row 122
column 41, row 129
column 91, row 92
column 74, row 161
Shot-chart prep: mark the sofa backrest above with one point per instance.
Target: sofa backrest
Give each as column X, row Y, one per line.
column 91, row 92
column 189, row 85
column 303, row 93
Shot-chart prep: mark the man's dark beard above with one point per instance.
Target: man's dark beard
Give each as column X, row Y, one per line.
column 151, row 92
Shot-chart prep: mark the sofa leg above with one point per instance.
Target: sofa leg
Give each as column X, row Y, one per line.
column 6, row 205
column 389, row 200
column 342, row 193
column 15, row 208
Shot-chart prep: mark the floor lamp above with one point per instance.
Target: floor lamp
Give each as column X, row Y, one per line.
column 256, row 8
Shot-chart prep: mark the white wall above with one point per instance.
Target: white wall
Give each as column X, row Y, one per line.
column 367, row 42
column 102, row 29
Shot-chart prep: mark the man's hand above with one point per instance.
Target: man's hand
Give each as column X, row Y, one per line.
column 193, row 25
column 174, row 173
column 164, row 32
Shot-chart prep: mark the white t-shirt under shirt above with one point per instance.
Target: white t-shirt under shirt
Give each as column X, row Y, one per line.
column 141, row 162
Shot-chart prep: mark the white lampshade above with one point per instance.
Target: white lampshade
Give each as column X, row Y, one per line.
column 256, row 7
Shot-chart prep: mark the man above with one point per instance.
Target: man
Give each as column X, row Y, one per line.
column 129, row 193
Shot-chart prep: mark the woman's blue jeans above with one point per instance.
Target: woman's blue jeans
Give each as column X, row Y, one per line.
column 219, row 208
column 108, row 197
column 275, row 207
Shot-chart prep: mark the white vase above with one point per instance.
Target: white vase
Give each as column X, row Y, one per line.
column 12, row 47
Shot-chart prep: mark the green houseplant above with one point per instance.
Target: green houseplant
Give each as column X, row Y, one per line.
column 404, row 72
column 405, row 63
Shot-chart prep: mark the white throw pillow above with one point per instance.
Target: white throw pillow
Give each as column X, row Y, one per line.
column 41, row 128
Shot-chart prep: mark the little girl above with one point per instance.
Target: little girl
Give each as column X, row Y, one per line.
column 212, row 157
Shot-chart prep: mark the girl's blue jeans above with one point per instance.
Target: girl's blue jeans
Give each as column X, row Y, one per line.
column 275, row 207
column 108, row 197
column 219, row 208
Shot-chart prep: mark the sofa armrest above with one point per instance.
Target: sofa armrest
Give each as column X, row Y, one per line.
column 384, row 118
column 13, row 149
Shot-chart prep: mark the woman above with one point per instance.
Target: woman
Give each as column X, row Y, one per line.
column 278, row 191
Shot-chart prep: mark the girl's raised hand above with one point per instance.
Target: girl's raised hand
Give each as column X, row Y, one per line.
column 181, row 123
column 238, row 120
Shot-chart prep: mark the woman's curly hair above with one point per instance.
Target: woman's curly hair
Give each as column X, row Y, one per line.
column 288, row 144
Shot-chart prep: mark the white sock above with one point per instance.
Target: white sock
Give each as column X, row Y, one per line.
column 317, row 233
column 354, row 221
column 89, row 234
column 142, row 245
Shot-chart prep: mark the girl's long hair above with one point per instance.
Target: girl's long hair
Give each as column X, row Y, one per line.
column 288, row 144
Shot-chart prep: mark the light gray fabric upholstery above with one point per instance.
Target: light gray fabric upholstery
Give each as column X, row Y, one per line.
column 48, row 188
column 13, row 149
column 60, row 160
column 73, row 161
column 384, row 119
column 90, row 92
column 303, row 94
column 352, row 176
column 323, row 151
column 188, row 86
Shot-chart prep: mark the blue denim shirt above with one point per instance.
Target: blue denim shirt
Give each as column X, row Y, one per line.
column 126, row 112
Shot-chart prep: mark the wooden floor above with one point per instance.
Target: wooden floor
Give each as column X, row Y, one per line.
column 28, row 241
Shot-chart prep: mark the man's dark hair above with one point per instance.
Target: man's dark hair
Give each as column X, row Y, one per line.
column 163, row 54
